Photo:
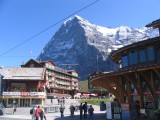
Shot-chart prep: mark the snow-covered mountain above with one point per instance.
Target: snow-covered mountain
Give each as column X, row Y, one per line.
column 81, row 45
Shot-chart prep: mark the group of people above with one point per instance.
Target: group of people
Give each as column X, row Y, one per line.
column 61, row 101
column 82, row 108
column 38, row 112
column 72, row 110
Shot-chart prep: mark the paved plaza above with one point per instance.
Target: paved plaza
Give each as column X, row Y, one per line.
column 24, row 113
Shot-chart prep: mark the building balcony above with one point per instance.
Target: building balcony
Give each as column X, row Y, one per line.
column 63, row 83
column 60, row 87
column 63, row 78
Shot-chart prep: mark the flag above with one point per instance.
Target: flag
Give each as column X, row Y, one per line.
column 47, row 85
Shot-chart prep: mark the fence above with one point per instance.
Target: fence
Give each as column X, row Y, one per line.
column 51, row 109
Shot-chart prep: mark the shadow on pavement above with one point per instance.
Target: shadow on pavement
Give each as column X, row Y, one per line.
column 97, row 116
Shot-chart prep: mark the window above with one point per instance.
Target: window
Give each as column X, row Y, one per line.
column 142, row 56
column 150, row 53
column 133, row 59
column 124, row 61
column 158, row 54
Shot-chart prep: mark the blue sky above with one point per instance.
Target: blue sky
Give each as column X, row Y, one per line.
column 22, row 19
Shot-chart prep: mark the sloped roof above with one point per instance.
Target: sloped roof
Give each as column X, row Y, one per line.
column 43, row 62
column 149, row 41
column 23, row 73
column 69, row 71
column 154, row 24
column 32, row 60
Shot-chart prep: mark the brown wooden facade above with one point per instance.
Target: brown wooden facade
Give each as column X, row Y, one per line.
column 138, row 76
column 101, row 92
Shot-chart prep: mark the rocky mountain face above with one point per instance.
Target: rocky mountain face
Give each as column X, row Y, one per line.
column 81, row 45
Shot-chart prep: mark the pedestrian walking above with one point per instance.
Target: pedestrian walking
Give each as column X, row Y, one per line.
column 37, row 113
column 85, row 109
column 41, row 113
column 14, row 105
column 72, row 109
column 63, row 100
column 44, row 114
column 51, row 101
column 62, row 110
column 32, row 112
column 90, row 111
column 58, row 100
column 81, row 110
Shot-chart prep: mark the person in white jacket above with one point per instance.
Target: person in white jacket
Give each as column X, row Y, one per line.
column 33, row 115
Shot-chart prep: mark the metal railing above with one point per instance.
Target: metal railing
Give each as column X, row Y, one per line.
column 51, row 109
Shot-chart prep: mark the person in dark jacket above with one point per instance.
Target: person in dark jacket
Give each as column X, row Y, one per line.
column 90, row 111
column 81, row 110
column 85, row 109
column 62, row 110
column 72, row 109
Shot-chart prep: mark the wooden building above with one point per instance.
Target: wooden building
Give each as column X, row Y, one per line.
column 138, row 76
column 58, row 82
column 30, row 84
column 23, row 85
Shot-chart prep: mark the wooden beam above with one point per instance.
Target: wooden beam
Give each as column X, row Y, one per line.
column 147, row 81
column 103, row 84
column 121, row 93
column 141, row 91
column 157, row 72
column 128, row 88
column 127, row 76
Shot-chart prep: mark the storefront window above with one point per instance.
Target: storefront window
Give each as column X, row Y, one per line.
column 36, row 101
column 150, row 53
column 10, row 100
column 133, row 59
column 142, row 56
column 124, row 61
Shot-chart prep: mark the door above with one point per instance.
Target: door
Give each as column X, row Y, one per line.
column 25, row 102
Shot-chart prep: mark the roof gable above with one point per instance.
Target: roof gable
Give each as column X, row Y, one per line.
column 32, row 61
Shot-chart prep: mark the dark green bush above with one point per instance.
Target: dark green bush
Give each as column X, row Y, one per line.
column 95, row 101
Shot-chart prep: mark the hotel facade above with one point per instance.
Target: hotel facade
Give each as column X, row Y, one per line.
column 30, row 84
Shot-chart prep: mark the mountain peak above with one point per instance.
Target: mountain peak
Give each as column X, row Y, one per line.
column 76, row 18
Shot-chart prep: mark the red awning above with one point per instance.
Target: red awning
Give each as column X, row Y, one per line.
column 85, row 94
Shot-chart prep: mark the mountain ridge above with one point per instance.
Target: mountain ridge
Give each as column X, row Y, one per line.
column 80, row 42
